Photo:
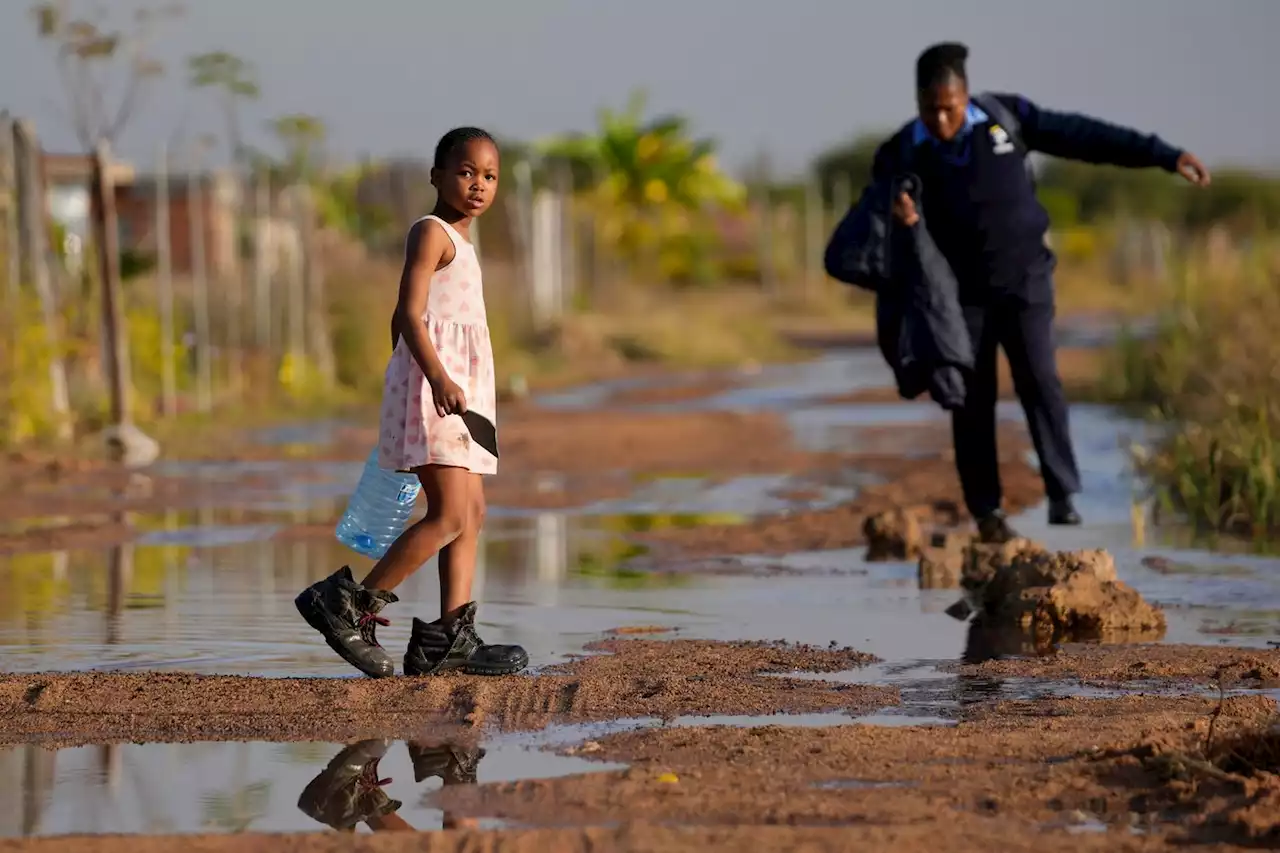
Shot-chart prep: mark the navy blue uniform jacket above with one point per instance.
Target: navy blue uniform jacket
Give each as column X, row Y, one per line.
column 982, row 231
column 984, row 215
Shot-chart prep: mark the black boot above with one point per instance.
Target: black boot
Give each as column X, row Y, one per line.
column 1063, row 513
column 455, row 765
column 346, row 615
column 994, row 529
column 440, row 646
column 348, row 791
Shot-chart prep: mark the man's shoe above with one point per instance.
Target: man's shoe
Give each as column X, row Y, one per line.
column 440, row 646
column 1063, row 513
column 346, row 615
column 994, row 529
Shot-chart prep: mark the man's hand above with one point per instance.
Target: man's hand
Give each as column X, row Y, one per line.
column 904, row 210
column 1190, row 168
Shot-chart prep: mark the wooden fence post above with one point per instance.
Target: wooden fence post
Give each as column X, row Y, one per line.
column 35, row 250
column 164, row 287
column 106, row 237
column 319, row 342
column 263, row 245
column 9, row 193
column 814, row 236
column 200, row 282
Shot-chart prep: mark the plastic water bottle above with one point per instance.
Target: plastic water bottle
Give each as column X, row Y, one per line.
column 378, row 509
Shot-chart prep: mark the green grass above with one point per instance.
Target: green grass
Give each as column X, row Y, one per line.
column 1211, row 375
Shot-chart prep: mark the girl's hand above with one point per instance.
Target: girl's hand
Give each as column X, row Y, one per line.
column 448, row 397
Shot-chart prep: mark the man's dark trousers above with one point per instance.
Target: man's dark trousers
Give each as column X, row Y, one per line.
column 1020, row 323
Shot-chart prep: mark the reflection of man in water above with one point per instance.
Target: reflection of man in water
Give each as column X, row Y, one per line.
column 349, row 791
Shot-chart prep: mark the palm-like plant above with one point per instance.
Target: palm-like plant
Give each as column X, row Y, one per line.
column 644, row 182
column 645, row 163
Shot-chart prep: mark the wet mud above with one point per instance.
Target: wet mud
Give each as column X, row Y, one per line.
column 925, row 483
column 972, row 834
column 1163, row 663
column 1013, row 772
column 620, row 678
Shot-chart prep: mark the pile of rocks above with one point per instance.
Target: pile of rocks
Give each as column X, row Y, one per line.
column 1020, row 586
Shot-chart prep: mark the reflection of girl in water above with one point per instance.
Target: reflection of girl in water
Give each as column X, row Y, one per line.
column 349, row 791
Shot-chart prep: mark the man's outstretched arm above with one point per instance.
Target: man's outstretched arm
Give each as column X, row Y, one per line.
column 1079, row 137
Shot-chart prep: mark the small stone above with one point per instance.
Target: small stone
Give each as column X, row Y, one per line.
column 893, row 535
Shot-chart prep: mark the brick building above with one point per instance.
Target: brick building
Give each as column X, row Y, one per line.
column 67, row 191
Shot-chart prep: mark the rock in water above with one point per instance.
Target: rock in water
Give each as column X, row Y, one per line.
column 940, row 568
column 1057, row 596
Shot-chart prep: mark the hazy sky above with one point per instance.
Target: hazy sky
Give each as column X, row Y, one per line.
column 389, row 76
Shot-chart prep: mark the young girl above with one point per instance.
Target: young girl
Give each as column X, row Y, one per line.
column 441, row 366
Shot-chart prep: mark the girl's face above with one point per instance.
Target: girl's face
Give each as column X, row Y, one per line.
column 468, row 182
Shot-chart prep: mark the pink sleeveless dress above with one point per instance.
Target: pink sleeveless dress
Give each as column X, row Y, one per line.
column 412, row 434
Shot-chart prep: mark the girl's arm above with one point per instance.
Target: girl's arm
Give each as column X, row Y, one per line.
column 427, row 248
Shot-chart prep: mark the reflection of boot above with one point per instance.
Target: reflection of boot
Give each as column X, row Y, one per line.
column 985, row 643
column 346, row 614
column 455, row 765
column 348, row 791
column 441, row 645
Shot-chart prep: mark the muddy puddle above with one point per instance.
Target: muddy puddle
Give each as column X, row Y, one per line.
column 263, row 786
column 230, row 787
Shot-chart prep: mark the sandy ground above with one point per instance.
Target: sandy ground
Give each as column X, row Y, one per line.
column 637, row 678
column 1157, row 664
column 974, row 834
column 1053, row 774
column 1014, row 768
column 1068, row 773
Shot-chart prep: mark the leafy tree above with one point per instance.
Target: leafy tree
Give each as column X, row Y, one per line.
column 849, row 162
column 94, row 58
column 302, row 136
column 233, row 80
column 645, row 163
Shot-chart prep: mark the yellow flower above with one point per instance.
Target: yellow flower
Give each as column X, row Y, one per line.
column 655, row 191
column 647, row 146
column 706, row 164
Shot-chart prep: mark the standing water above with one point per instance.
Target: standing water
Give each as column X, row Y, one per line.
column 378, row 509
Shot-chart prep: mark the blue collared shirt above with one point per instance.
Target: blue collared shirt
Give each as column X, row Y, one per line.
column 973, row 115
